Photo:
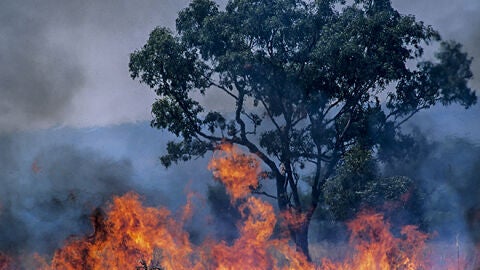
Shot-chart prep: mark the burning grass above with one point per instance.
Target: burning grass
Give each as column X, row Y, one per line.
column 129, row 235
column 375, row 247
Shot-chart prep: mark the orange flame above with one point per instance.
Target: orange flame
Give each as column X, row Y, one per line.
column 293, row 218
column 130, row 232
column 377, row 248
column 236, row 170
column 132, row 236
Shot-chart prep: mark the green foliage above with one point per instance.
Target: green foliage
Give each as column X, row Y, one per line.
column 316, row 72
column 308, row 79
column 343, row 192
column 184, row 151
column 356, row 185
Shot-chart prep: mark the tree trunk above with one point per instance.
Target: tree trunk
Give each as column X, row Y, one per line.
column 299, row 234
column 301, row 239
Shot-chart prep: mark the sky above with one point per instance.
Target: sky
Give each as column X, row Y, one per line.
column 74, row 127
column 65, row 63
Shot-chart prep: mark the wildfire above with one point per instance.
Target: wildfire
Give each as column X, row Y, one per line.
column 236, row 170
column 377, row 248
column 129, row 235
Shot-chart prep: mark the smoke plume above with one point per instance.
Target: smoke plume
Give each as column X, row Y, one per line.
column 42, row 204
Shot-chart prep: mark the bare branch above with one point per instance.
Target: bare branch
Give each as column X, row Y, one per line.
column 223, row 89
column 410, row 116
column 270, row 114
column 264, row 193
column 303, row 117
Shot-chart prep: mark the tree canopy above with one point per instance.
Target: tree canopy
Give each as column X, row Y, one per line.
column 307, row 80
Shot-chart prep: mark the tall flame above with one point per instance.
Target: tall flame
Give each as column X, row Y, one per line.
column 236, row 170
column 129, row 235
column 377, row 248
column 129, row 232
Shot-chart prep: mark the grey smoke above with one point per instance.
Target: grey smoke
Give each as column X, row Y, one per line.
column 66, row 62
column 42, row 204
column 447, row 171
column 455, row 20
column 51, row 181
column 448, row 164
column 37, row 77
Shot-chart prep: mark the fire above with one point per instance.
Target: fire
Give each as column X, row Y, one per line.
column 255, row 248
column 129, row 235
column 293, row 218
column 236, row 170
column 132, row 236
column 377, row 248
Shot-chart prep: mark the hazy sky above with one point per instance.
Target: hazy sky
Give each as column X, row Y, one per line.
column 458, row 20
column 66, row 62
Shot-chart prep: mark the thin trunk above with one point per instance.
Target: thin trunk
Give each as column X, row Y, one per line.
column 299, row 235
column 301, row 239
column 282, row 197
column 293, row 186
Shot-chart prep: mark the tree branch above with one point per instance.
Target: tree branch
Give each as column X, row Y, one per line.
column 221, row 87
column 269, row 114
column 410, row 116
column 264, row 193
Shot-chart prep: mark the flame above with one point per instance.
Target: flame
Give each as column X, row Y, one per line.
column 294, row 218
column 377, row 248
column 129, row 235
column 236, row 170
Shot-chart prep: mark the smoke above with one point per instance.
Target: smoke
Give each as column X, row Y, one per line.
column 42, row 204
column 39, row 78
column 447, row 163
column 66, row 62
column 455, row 21
column 447, row 172
column 52, row 180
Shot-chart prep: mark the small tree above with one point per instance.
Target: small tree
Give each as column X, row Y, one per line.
column 307, row 80
column 357, row 185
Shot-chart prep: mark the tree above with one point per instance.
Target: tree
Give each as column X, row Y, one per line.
column 357, row 185
column 307, row 80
